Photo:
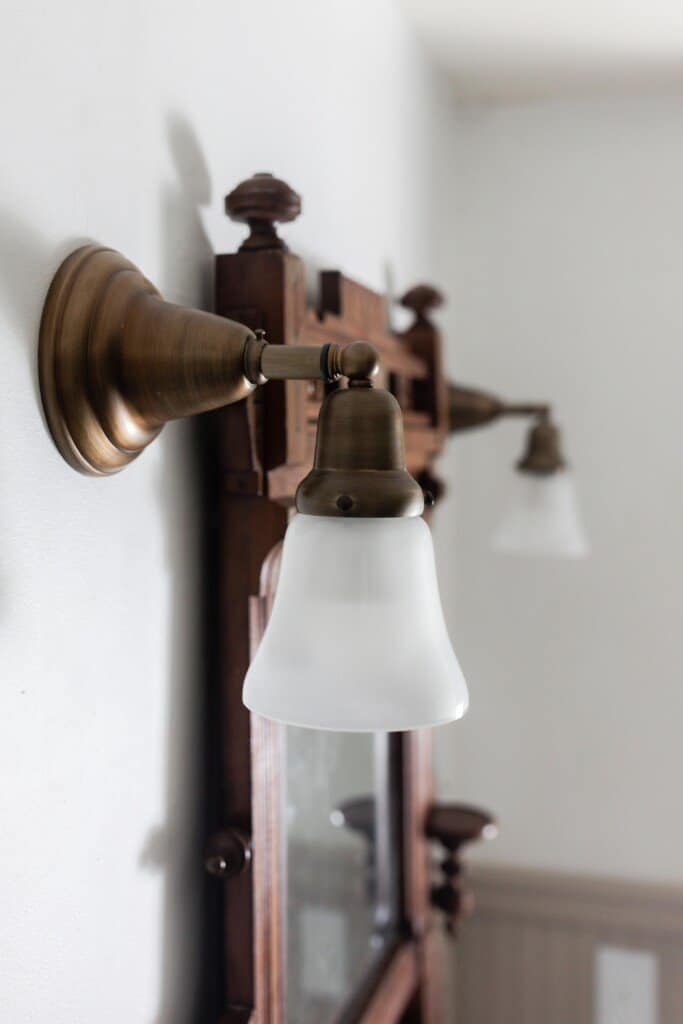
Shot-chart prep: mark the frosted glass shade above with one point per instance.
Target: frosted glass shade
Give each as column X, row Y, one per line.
column 357, row 640
column 543, row 518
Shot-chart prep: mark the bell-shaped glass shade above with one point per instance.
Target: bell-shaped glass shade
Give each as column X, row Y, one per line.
column 543, row 518
column 357, row 640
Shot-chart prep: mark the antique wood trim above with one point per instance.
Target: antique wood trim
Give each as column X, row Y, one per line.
column 268, row 837
column 528, row 956
column 251, row 527
column 573, row 900
column 248, row 526
column 270, row 965
column 417, row 796
column 397, row 985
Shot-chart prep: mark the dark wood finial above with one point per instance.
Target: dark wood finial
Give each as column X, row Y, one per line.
column 421, row 299
column 454, row 826
column 260, row 201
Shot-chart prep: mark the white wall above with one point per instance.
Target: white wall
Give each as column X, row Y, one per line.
column 563, row 259
column 127, row 123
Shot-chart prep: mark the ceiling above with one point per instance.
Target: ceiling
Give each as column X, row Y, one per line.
column 495, row 49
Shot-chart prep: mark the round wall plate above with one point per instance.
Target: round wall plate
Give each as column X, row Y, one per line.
column 84, row 314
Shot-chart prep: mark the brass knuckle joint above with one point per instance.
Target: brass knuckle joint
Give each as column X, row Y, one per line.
column 358, row 361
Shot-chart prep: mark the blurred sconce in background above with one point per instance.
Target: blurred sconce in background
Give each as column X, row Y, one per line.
column 543, row 516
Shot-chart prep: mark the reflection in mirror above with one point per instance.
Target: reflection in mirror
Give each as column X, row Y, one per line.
column 343, row 869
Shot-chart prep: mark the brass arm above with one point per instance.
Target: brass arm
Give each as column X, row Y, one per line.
column 540, row 409
column 469, row 407
column 263, row 362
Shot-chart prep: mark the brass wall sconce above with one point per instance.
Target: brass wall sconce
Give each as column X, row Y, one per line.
column 470, row 408
column 117, row 363
column 543, row 515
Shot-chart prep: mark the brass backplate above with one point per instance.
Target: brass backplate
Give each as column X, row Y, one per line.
column 91, row 292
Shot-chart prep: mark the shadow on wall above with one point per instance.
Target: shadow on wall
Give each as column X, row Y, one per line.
column 28, row 263
column 176, row 847
column 187, row 253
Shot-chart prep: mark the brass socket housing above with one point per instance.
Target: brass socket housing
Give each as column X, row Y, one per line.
column 543, row 454
column 360, row 469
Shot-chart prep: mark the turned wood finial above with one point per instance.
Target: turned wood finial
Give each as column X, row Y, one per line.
column 421, row 299
column 454, row 826
column 260, row 201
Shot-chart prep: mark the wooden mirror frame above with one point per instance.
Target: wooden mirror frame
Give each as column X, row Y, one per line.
column 255, row 454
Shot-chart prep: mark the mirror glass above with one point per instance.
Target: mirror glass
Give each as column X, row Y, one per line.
column 342, row 867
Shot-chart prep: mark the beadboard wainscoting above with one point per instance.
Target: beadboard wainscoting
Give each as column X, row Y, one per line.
column 545, row 948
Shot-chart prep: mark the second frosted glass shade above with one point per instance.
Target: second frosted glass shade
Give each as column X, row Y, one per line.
column 543, row 518
column 357, row 640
